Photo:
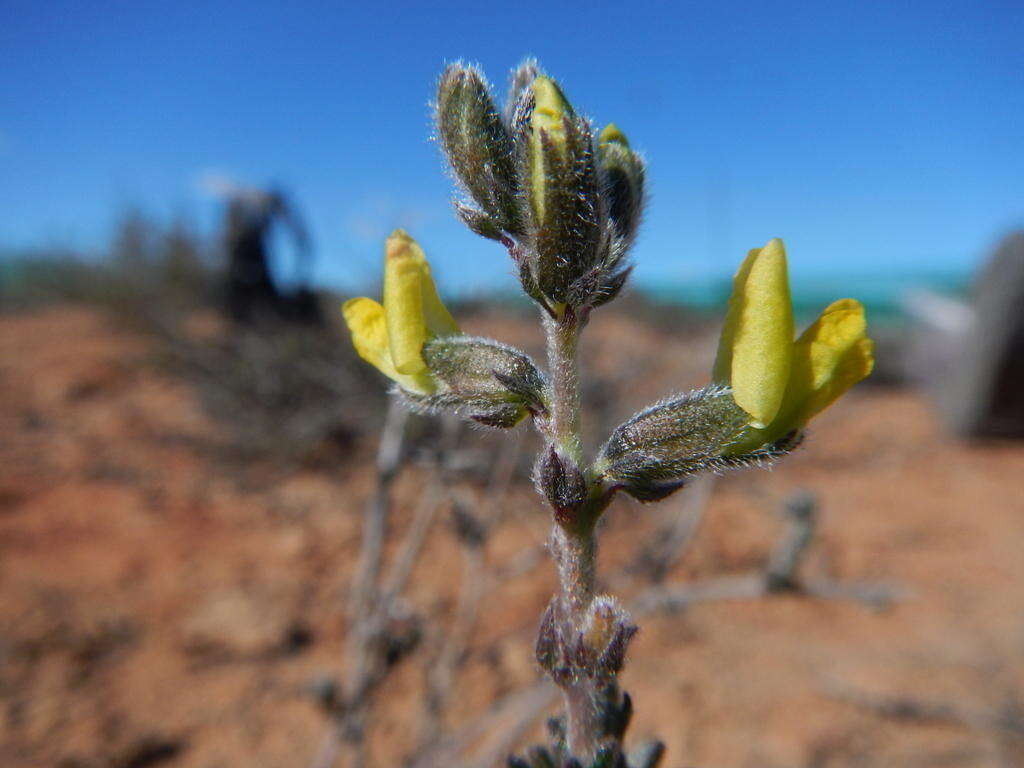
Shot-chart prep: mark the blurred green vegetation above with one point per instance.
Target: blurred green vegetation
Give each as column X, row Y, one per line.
column 148, row 266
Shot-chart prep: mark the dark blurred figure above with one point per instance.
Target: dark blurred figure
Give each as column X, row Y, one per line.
column 252, row 294
column 974, row 352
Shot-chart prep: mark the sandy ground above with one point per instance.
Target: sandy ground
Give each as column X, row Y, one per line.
column 159, row 606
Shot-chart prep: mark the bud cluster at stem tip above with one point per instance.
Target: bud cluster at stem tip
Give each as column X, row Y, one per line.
column 565, row 202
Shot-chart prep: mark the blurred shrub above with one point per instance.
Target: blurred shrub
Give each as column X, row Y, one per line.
column 148, row 268
column 281, row 391
column 287, row 393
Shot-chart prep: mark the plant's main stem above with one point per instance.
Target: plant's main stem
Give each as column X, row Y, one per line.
column 574, row 547
column 562, row 337
column 575, row 554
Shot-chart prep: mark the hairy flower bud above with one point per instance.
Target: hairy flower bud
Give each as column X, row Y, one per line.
column 477, row 221
column 653, row 453
column 568, row 223
column 622, row 171
column 494, row 384
column 479, row 148
column 607, row 634
column 562, row 483
column 499, row 416
column 548, row 147
column 520, row 82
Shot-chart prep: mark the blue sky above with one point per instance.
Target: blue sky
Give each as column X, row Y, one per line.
column 874, row 137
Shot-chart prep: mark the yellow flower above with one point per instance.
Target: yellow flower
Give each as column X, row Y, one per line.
column 782, row 384
column 391, row 337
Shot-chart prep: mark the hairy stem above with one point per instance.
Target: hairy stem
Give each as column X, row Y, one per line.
column 575, row 553
column 562, row 337
column 574, row 547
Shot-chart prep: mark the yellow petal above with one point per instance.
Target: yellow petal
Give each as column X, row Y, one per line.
column 438, row 319
column 550, row 107
column 829, row 357
column 755, row 349
column 403, row 302
column 549, row 112
column 413, row 311
column 365, row 320
column 611, row 134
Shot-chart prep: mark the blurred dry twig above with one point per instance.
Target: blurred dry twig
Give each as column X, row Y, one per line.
column 781, row 574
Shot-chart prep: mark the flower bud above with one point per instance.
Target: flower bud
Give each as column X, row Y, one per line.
column 610, row 286
column 551, row 110
column 653, row 453
column 561, row 178
column 607, row 634
column 494, row 384
column 598, row 285
column 499, row 416
column 478, row 146
column 622, row 171
column 477, row 221
column 520, row 82
column 562, row 483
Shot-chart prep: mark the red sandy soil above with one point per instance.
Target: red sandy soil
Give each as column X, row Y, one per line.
column 159, row 606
